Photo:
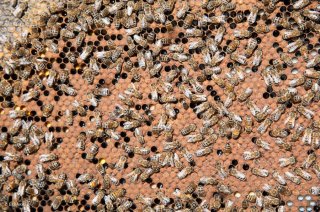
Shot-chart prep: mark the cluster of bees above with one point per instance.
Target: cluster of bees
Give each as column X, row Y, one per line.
column 197, row 56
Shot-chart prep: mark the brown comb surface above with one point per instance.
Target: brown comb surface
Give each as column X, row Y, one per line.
column 73, row 160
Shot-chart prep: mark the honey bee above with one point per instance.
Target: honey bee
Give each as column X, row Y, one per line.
column 251, row 155
column 225, row 189
column 283, row 145
column 85, row 178
column 187, row 155
column 203, row 151
column 188, row 129
column 251, row 46
column 313, row 62
column 253, row 15
column 294, row 45
column 54, row 165
column 278, row 133
column 93, row 150
column 197, row 87
column 133, row 176
column 168, row 98
column 47, row 157
column 314, row 190
column 216, row 202
column 141, row 150
column 307, row 136
column 309, row 161
column 125, row 206
column 117, row 193
column 307, row 113
column 68, row 90
column 101, row 92
column 20, row 9
column 237, row 174
column 288, row 34
column 12, row 157
column 185, row 172
column 47, row 110
column 121, row 163
column 300, row 4
column 181, row 57
column 283, row 162
column 133, row 91
column 263, row 127
column 36, row 80
column 86, row 52
column 31, row 149
column 238, row 58
column 72, row 187
column 40, row 172
column 311, row 14
column 233, row 45
column 57, row 200
column 242, row 34
column 221, row 172
column 280, row 179
column 257, row 57
column 6, row 88
column 269, row 200
column 260, row 172
column 293, row 178
column 245, row 95
column 311, row 74
column 297, row 133
column 302, row 173
column 79, row 108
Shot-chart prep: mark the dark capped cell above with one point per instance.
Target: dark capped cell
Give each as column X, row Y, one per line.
column 234, row 162
column 209, row 88
column 279, row 50
column 156, row 30
column 184, row 40
column 82, row 124
column 233, row 25
column 145, row 107
column 114, row 81
column 124, row 75
column 269, row 89
column 216, row 98
column 106, row 37
column 289, row 104
column 245, row 167
column 258, row 40
column 283, row 77
column 154, row 149
column 254, row 69
column 265, row 95
column 65, row 60
column 268, row 22
column 276, row 33
column 56, row 98
column 213, row 93
column 119, row 37
column 39, row 103
column 104, row 144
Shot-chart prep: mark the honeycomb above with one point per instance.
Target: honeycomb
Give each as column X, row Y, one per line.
column 162, row 106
